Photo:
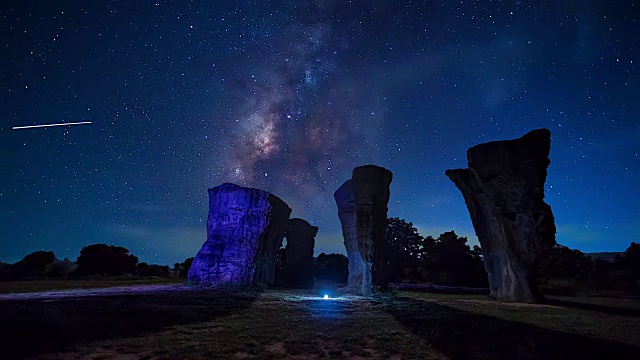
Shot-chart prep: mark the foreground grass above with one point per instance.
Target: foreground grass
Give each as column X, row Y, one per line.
column 285, row 325
column 196, row 324
column 199, row 324
column 564, row 327
column 25, row 286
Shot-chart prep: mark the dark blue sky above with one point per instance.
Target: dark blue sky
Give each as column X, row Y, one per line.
column 289, row 98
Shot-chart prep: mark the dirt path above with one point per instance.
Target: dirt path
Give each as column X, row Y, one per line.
column 108, row 291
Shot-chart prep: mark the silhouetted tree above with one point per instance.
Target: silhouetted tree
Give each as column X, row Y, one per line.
column 564, row 263
column 450, row 261
column 105, row 259
column 332, row 267
column 604, row 275
column 405, row 249
column 4, row 271
column 144, row 269
column 629, row 261
column 182, row 269
column 177, row 269
column 565, row 271
column 35, row 264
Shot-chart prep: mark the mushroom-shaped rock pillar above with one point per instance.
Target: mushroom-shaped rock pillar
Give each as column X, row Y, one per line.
column 362, row 209
column 503, row 189
column 242, row 226
column 300, row 242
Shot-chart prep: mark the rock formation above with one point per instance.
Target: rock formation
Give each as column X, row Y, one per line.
column 504, row 192
column 243, row 226
column 300, row 242
column 271, row 240
column 346, row 200
column 362, row 208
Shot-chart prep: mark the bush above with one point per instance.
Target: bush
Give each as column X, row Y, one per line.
column 107, row 260
column 31, row 266
column 144, row 269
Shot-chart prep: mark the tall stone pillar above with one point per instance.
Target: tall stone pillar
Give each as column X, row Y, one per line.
column 362, row 208
column 503, row 189
column 346, row 200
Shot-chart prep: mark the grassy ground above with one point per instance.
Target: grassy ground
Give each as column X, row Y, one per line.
column 7, row 287
column 566, row 327
column 292, row 324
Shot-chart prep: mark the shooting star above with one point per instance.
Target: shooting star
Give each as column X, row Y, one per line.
column 50, row 125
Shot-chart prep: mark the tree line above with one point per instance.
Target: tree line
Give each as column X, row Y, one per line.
column 448, row 260
column 94, row 260
column 566, row 271
column 445, row 260
column 412, row 258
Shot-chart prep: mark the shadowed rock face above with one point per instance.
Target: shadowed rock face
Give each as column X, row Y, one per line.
column 271, row 240
column 300, row 242
column 362, row 208
column 504, row 191
column 346, row 199
column 242, row 226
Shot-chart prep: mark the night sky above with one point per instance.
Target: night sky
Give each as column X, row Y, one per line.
column 289, row 98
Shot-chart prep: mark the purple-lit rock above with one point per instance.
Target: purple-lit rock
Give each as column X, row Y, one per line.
column 242, row 226
column 362, row 208
column 300, row 242
column 504, row 192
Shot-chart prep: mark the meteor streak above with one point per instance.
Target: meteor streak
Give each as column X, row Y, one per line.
column 50, row 125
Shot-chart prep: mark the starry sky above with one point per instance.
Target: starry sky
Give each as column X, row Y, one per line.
column 289, row 97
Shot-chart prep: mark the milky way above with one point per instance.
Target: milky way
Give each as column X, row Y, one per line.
column 301, row 123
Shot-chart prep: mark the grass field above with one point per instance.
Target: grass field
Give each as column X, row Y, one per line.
column 277, row 324
column 8, row 287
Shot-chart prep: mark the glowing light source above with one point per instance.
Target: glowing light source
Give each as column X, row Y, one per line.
column 326, row 297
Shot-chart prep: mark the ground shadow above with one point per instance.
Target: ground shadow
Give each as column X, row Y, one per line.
column 465, row 335
column 35, row 327
column 593, row 307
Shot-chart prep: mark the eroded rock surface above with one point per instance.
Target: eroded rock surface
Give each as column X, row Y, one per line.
column 300, row 242
column 362, row 208
column 243, row 224
column 271, row 240
column 504, row 192
column 346, row 200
